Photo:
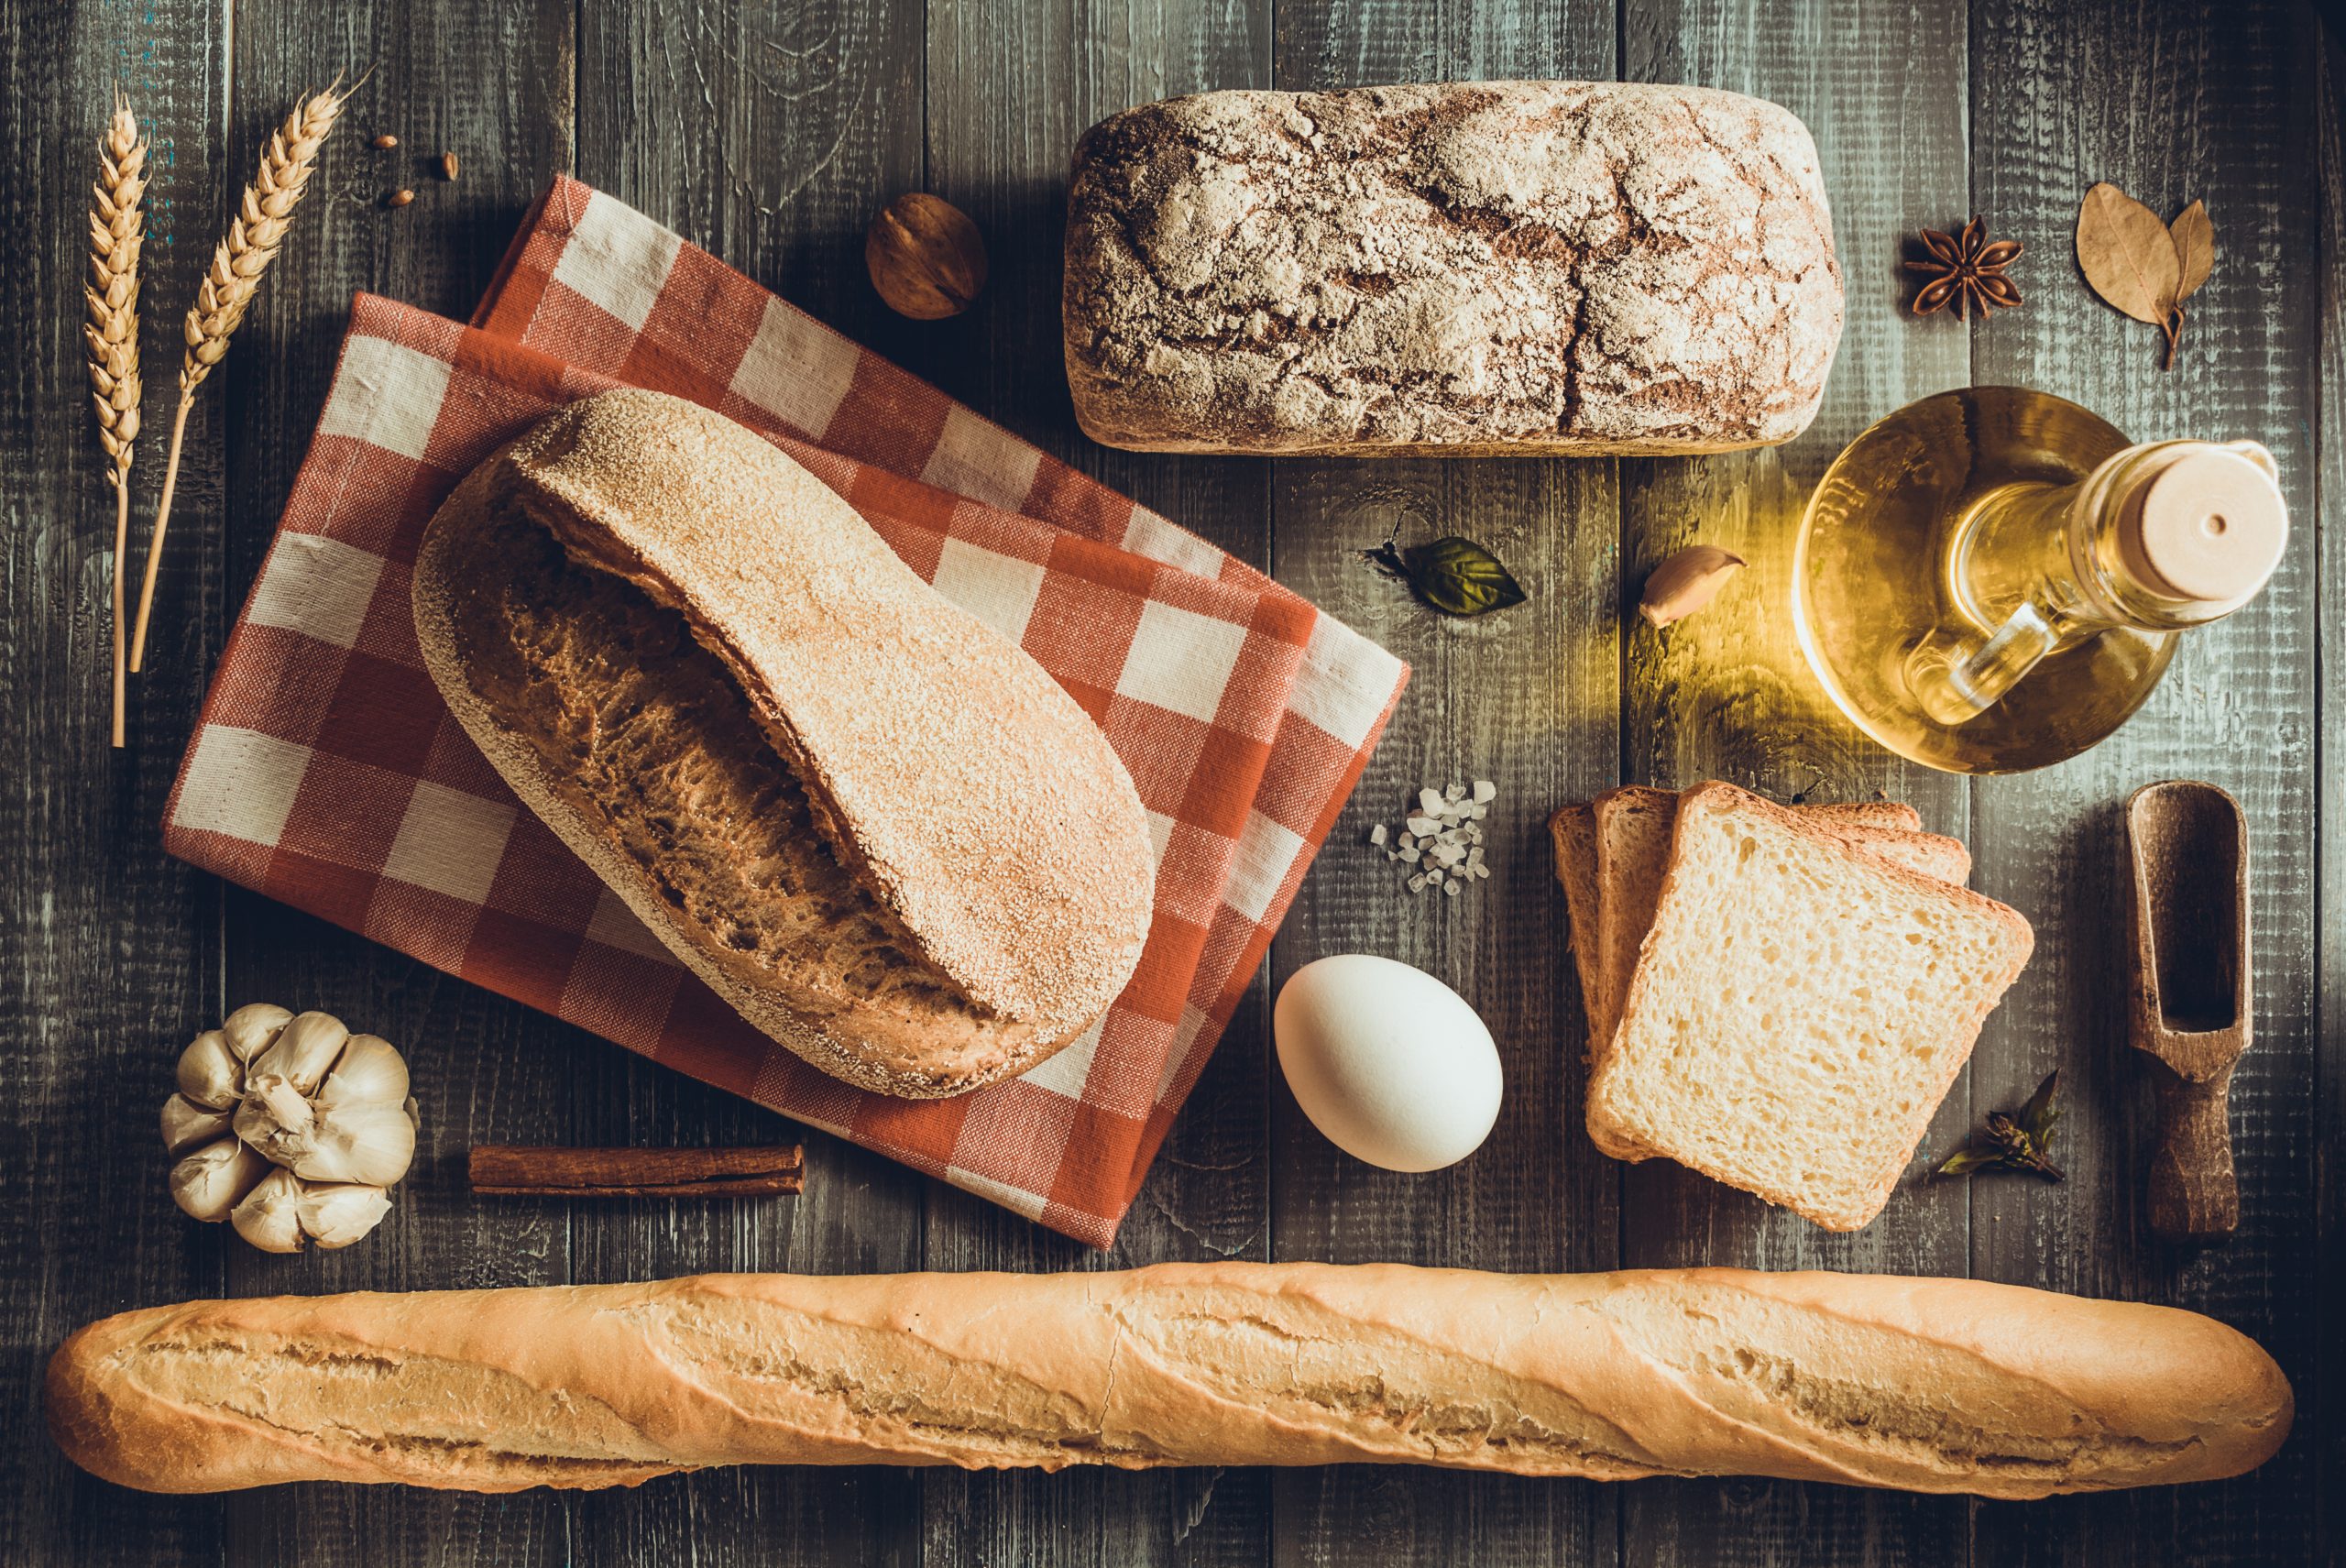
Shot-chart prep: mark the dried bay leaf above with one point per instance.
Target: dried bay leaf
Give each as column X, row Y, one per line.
column 2128, row 255
column 2195, row 249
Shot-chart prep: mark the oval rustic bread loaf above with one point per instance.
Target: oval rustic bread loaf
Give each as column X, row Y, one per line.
column 869, row 821
column 1930, row 1385
column 1471, row 267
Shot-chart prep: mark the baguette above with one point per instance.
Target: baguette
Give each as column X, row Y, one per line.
column 869, row 822
column 1928, row 1384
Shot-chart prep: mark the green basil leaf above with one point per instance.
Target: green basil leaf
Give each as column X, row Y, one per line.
column 1458, row 577
column 2037, row 1117
column 1964, row 1161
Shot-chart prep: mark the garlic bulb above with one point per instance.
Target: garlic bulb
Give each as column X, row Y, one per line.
column 296, row 1127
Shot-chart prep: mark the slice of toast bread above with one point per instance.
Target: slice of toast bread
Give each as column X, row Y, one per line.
column 1801, row 1008
column 1573, row 831
column 1633, row 827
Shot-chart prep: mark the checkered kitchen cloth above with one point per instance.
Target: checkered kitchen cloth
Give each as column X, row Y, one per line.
column 326, row 772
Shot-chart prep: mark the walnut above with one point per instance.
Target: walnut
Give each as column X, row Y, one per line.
column 926, row 257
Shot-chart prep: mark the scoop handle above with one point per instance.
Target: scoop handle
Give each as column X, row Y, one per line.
column 2194, row 1195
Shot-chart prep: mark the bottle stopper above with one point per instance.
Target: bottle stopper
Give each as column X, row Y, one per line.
column 2207, row 527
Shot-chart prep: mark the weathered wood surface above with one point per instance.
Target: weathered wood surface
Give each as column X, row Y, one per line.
column 769, row 134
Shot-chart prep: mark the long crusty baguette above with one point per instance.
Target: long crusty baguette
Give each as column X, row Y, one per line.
column 871, row 822
column 1931, row 1384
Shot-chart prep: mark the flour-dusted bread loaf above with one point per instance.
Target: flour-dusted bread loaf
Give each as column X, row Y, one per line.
column 1462, row 268
column 1931, row 1384
column 1799, row 1008
column 873, row 824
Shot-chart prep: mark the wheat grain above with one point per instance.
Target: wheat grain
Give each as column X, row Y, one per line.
column 117, row 230
column 227, row 290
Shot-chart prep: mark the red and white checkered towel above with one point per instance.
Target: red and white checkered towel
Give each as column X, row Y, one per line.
column 326, row 772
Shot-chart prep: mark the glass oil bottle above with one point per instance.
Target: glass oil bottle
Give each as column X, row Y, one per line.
column 1994, row 579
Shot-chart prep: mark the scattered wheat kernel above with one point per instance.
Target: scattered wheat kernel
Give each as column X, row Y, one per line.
column 447, row 166
column 385, row 142
column 398, row 198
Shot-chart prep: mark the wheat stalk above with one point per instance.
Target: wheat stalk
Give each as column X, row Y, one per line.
column 254, row 235
column 117, row 229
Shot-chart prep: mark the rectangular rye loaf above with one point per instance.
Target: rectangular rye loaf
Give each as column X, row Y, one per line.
column 1457, row 268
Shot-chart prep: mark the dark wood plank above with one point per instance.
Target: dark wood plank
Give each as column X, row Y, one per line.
column 2328, row 1301
column 1010, row 87
column 763, row 135
column 2173, row 103
column 107, row 950
column 489, row 84
column 1727, row 695
column 1527, row 699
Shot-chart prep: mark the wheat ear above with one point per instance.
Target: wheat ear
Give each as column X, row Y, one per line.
column 117, row 229
column 254, row 235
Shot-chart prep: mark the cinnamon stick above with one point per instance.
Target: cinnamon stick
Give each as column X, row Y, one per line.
column 512, row 1170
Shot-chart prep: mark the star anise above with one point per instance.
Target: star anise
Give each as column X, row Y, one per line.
column 1966, row 270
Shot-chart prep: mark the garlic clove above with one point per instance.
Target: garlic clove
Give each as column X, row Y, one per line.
column 209, row 1072
column 251, row 1028
column 276, row 1119
column 370, row 1143
column 335, row 1214
column 370, row 1073
column 187, row 1124
column 1687, row 582
column 270, row 1217
column 304, row 1051
column 211, row 1181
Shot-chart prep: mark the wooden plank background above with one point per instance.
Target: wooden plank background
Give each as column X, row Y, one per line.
column 769, row 134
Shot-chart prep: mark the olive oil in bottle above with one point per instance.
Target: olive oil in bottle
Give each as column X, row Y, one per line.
column 1994, row 579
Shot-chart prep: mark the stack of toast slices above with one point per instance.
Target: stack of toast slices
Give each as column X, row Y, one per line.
column 1778, row 997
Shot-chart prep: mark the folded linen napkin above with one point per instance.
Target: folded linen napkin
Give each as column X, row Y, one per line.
column 325, row 770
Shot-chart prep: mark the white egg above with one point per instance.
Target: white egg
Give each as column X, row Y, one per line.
column 1388, row 1061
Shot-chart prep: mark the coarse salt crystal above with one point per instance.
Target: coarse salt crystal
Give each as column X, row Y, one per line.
column 1484, row 790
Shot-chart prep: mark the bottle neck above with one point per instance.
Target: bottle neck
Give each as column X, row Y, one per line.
column 2074, row 552
column 2160, row 537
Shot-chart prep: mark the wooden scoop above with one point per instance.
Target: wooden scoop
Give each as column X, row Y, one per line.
column 2191, row 1006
